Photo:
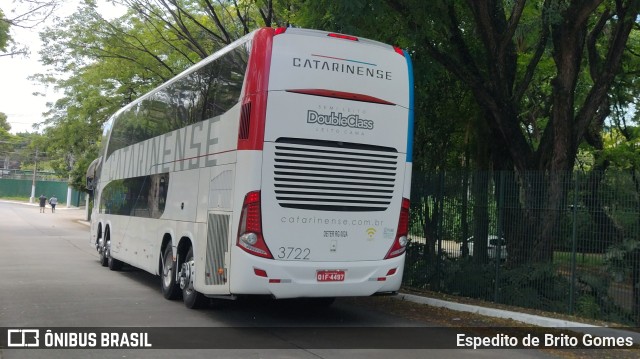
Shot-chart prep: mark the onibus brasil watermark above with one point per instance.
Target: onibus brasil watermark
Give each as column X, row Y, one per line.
column 48, row 338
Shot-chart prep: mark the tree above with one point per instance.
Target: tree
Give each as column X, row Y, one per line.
column 5, row 37
column 8, row 142
column 27, row 14
column 5, row 147
column 4, row 123
column 488, row 45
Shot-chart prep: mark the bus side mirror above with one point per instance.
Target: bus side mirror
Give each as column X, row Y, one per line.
column 91, row 174
column 90, row 186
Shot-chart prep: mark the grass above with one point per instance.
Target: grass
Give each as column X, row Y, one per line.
column 582, row 259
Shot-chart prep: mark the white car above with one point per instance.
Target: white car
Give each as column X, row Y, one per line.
column 492, row 247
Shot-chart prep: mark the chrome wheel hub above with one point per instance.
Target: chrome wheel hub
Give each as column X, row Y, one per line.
column 186, row 275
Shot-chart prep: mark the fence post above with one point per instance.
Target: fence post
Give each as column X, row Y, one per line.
column 439, row 231
column 574, row 229
column 498, row 256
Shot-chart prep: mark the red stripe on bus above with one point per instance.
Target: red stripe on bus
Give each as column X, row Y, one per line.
column 343, row 95
column 257, row 84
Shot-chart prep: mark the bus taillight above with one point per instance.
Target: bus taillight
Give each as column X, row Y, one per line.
column 400, row 244
column 250, row 230
column 342, row 36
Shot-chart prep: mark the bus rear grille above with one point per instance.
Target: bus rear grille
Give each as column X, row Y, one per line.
column 334, row 176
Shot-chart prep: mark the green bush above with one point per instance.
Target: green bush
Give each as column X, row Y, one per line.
column 536, row 286
column 587, row 307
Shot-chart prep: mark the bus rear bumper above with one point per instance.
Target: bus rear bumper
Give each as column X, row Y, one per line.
column 294, row 279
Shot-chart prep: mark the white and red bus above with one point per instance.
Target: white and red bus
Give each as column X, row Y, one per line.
column 280, row 165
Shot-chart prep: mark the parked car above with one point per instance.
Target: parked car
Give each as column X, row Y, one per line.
column 492, row 247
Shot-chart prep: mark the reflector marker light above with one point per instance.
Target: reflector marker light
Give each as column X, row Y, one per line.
column 277, row 281
column 260, row 272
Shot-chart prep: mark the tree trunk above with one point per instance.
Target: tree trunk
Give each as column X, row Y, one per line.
column 554, row 204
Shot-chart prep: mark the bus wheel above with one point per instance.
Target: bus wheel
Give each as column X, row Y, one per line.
column 192, row 299
column 170, row 288
column 114, row 264
column 102, row 253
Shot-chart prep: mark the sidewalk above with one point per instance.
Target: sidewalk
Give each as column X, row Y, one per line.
column 527, row 319
column 77, row 214
column 59, row 206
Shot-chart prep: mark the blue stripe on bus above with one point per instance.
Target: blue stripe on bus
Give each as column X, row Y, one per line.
column 411, row 119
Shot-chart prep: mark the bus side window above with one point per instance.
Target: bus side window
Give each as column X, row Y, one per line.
column 162, row 194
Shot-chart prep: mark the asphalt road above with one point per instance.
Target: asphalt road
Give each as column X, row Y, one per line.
column 50, row 278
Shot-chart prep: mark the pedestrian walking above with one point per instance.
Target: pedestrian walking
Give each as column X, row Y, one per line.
column 53, row 201
column 43, row 202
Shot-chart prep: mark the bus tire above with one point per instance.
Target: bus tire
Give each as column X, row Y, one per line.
column 192, row 299
column 170, row 288
column 114, row 264
column 102, row 253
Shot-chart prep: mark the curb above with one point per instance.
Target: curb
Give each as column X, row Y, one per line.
column 531, row 319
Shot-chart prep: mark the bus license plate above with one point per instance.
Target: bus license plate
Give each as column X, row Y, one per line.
column 330, row 275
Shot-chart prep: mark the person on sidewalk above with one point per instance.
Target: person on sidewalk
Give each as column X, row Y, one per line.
column 43, row 202
column 53, row 201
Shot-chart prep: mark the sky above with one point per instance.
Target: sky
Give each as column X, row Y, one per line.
column 17, row 99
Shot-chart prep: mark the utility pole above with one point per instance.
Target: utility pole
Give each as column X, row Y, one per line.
column 33, row 183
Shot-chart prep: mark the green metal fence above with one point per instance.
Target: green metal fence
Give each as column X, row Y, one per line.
column 566, row 242
column 12, row 188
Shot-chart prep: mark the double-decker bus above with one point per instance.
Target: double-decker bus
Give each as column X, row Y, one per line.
column 280, row 165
